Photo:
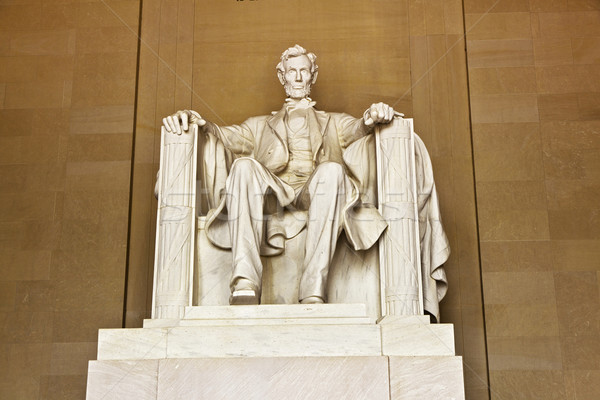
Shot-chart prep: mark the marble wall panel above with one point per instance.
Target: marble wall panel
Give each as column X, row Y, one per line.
column 8, row 292
column 580, row 352
column 22, row 387
column 524, row 353
column 527, row 384
column 521, row 320
column 38, row 43
column 494, row 26
column 528, row 304
column 63, row 387
column 405, row 383
column 275, row 378
column 500, row 53
column 576, row 255
column 524, row 288
column 582, row 384
column 558, row 107
column 585, row 50
column 71, row 358
column 553, row 51
column 138, row 377
column 568, row 78
column 82, row 325
column 502, row 80
column 505, row 108
column 508, row 152
column 50, row 64
column 589, row 106
column 548, row 5
column 517, row 256
column 491, row 6
column 577, row 303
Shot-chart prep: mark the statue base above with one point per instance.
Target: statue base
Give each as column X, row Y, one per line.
column 317, row 351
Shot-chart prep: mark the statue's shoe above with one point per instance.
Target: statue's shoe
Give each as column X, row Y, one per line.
column 243, row 297
column 312, row 300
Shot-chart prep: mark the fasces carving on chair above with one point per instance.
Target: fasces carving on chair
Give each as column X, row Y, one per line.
column 297, row 170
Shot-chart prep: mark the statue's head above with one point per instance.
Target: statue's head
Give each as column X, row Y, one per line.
column 297, row 71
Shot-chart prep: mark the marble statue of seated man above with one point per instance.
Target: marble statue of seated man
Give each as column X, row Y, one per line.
column 295, row 160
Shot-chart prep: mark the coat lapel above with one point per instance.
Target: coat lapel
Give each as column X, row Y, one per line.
column 317, row 124
column 278, row 126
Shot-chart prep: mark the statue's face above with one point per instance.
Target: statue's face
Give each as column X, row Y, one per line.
column 297, row 77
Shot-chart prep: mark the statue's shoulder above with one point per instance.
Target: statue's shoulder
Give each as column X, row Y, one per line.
column 257, row 120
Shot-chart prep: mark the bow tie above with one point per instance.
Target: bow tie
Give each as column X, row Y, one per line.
column 303, row 104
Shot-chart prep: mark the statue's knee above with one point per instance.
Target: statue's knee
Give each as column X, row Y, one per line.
column 243, row 167
column 330, row 172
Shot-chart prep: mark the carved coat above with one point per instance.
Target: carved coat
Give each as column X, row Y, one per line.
column 264, row 138
column 334, row 137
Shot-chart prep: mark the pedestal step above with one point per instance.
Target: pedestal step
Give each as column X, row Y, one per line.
column 315, row 378
column 323, row 351
column 277, row 331
column 295, row 314
column 239, row 341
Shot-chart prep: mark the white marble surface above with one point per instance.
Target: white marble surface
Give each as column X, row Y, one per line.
column 134, row 344
column 312, row 378
column 278, row 331
column 122, row 380
column 399, row 257
column 274, row 341
column 212, row 271
column 285, row 321
column 277, row 311
column 175, row 224
column 419, row 378
column 353, row 275
column 280, row 361
column 417, row 339
column 161, row 323
column 404, row 319
column 373, row 378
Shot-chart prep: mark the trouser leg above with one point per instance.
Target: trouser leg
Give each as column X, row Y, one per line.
column 245, row 199
column 328, row 189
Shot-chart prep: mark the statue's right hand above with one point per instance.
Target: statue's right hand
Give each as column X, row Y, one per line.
column 179, row 122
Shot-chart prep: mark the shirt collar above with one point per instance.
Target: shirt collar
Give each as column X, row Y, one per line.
column 305, row 103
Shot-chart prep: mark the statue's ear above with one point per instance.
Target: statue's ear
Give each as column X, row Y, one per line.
column 280, row 76
column 314, row 79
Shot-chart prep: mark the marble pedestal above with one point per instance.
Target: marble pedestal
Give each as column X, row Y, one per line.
column 325, row 351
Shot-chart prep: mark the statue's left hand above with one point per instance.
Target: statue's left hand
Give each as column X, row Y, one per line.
column 379, row 113
column 179, row 122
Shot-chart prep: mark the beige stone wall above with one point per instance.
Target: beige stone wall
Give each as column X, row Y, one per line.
column 534, row 75
column 526, row 108
column 67, row 91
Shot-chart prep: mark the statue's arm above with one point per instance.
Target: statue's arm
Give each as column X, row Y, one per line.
column 239, row 139
column 353, row 129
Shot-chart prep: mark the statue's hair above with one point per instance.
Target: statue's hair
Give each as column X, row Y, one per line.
column 296, row 51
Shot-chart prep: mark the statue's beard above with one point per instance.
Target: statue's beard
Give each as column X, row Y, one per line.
column 295, row 93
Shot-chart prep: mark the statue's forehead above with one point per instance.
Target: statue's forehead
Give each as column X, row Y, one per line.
column 297, row 62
